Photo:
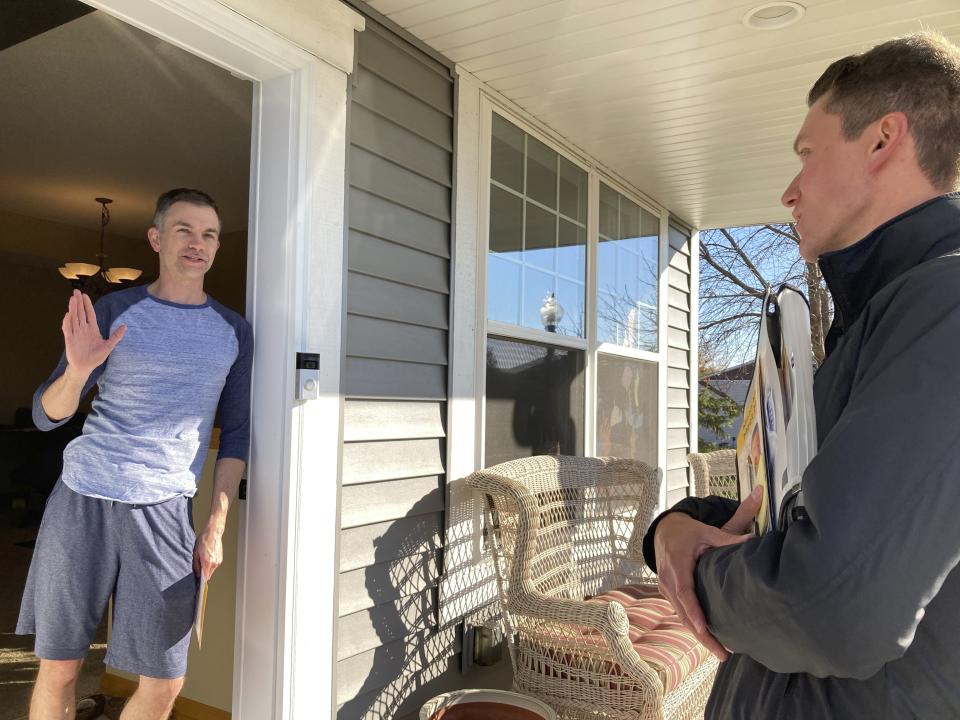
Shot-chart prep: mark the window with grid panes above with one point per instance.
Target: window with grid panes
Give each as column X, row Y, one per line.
column 628, row 261
column 537, row 285
column 627, row 272
column 538, row 233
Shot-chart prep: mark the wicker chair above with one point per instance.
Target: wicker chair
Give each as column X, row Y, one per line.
column 567, row 536
column 715, row 473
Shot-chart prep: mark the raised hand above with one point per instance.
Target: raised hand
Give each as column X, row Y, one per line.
column 679, row 542
column 85, row 347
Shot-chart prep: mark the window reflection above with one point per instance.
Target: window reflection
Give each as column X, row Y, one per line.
column 573, row 190
column 541, row 173
column 571, row 251
column 541, row 238
column 627, row 272
column 627, row 408
column 538, row 237
column 506, row 154
column 534, row 400
column 506, row 223
column 504, row 304
column 537, row 288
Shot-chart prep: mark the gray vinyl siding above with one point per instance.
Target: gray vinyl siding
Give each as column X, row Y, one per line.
column 389, row 648
column 678, row 363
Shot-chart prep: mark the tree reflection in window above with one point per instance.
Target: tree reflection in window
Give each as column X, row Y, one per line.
column 627, row 408
column 628, row 261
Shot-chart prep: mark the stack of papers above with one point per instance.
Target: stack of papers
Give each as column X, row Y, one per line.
column 778, row 437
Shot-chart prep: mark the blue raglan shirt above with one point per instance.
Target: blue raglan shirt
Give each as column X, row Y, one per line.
column 146, row 439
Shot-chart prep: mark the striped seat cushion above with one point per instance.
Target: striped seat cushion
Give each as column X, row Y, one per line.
column 657, row 634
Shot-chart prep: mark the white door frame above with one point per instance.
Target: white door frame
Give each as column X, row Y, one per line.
column 287, row 569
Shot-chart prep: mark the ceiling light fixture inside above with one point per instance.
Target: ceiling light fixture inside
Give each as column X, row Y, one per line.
column 773, row 15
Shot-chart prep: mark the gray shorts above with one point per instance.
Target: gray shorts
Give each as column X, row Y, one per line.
column 89, row 549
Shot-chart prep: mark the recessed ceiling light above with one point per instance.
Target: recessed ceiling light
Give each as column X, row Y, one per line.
column 773, row 15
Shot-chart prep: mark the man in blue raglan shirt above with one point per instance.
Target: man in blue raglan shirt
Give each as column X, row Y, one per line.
column 118, row 523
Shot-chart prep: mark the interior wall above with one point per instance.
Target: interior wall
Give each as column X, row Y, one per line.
column 33, row 332
column 51, row 243
column 227, row 279
column 34, row 295
column 210, row 669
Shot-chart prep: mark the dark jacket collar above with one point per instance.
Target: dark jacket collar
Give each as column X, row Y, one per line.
column 856, row 273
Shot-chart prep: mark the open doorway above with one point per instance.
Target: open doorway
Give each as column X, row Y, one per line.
column 97, row 108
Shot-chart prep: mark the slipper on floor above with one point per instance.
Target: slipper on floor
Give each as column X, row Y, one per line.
column 91, row 707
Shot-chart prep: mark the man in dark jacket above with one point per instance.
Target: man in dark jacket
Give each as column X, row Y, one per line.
column 853, row 610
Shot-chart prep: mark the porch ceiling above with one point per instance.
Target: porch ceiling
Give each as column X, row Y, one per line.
column 676, row 96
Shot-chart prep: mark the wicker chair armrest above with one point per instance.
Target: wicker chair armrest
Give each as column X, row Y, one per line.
column 608, row 618
column 709, row 466
column 634, row 549
column 574, row 619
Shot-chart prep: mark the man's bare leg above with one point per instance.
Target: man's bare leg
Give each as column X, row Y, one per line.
column 153, row 699
column 55, row 692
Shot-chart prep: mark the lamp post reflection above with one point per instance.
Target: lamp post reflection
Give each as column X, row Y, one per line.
column 551, row 313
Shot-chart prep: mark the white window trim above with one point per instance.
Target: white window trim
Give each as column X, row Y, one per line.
column 469, row 327
column 612, row 349
column 287, row 569
column 663, row 351
column 483, row 242
column 590, row 310
column 489, row 104
column 694, row 439
column 468, row 583
column 520, row 332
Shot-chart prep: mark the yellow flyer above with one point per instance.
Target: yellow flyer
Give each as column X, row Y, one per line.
column 751, row 457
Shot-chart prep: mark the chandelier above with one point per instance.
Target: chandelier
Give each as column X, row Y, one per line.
column 98, row 280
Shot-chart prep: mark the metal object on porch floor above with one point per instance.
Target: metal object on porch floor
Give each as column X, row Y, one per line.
column 482, row 644
column 485, row 705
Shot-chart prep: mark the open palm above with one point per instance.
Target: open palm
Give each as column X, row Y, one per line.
column 85, row 347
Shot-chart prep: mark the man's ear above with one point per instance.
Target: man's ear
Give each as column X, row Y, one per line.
column 886, row 138
column 153, row 237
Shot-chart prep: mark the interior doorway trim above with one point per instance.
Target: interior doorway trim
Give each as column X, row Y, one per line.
column 287, row 569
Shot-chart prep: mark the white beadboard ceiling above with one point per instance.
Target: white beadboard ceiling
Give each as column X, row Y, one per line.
column 676, row 96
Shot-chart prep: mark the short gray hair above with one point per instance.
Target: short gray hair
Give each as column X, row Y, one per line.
column 190, row 195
